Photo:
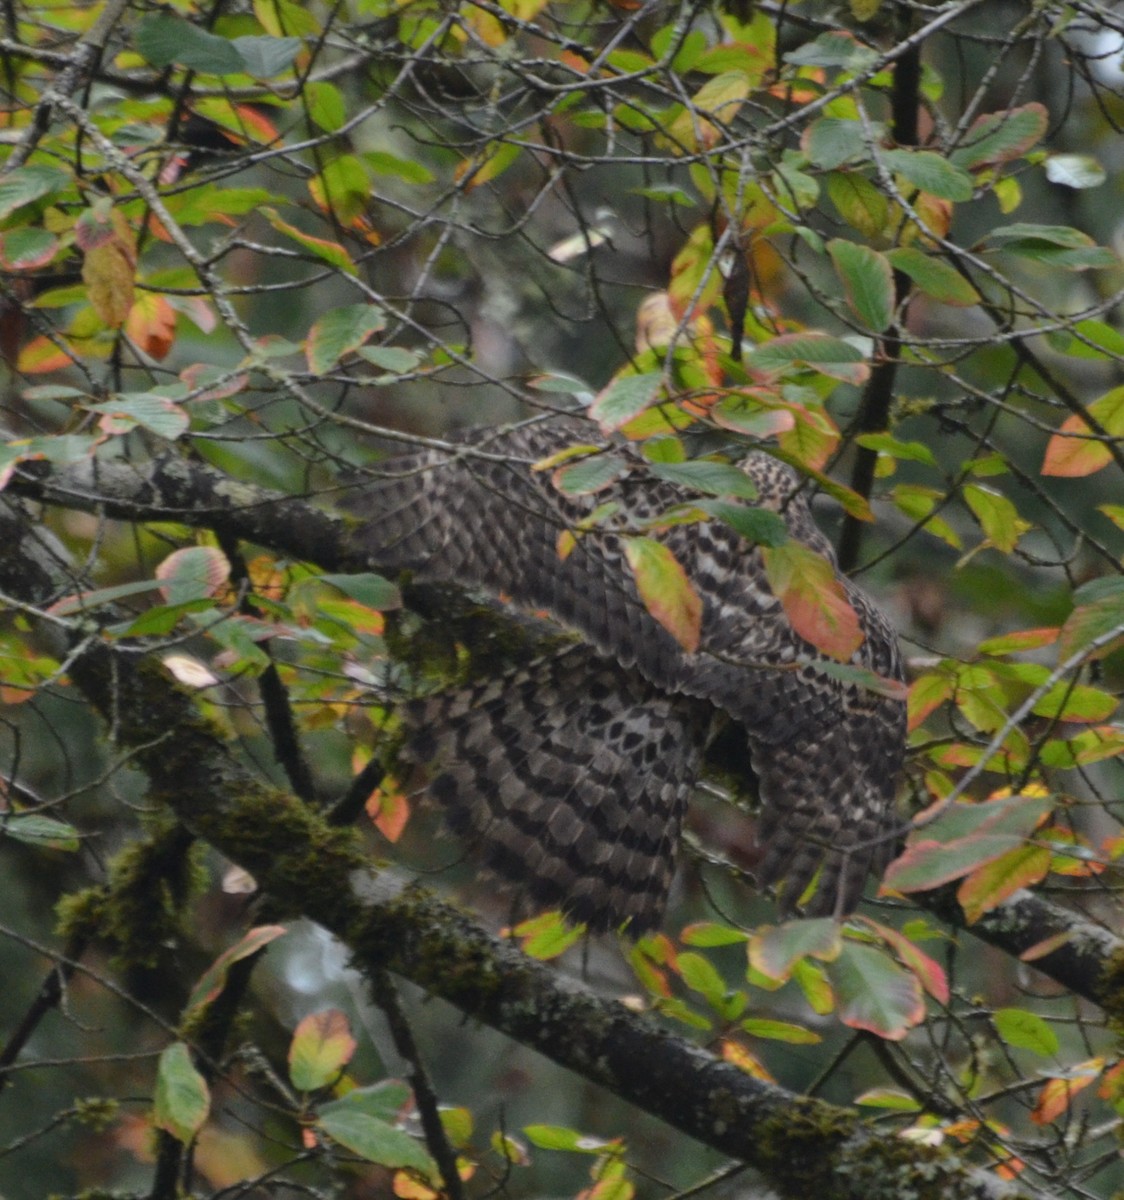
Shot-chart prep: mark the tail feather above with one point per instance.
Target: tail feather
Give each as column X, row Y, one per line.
column 573, row 775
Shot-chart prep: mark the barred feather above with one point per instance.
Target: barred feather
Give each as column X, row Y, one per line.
column 575, row 773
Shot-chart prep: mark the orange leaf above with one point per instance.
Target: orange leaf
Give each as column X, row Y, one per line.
column 814, row 599
column 41, row 356
column 152, row 324
column 733, row 1052
column 1055, row 1097
column 666, row 591
column 389, row 811
column 1070, row 453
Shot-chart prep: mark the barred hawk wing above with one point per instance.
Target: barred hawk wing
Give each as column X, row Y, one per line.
column 574, row 773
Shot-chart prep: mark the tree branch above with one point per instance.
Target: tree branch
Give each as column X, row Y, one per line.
column 1089, row 960
column 800, row 1145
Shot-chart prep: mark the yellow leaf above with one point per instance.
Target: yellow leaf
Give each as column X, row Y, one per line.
column 665, row 589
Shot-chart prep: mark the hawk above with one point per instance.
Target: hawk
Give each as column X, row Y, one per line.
column 574, row 773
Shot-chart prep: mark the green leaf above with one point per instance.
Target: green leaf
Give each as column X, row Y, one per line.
column 859, row 202
column 964, row 837
column 868, row 282
column 761, row 526
column 25, row 248
column 700, row 975
column 780, row 1031
column 368, row 588
column 590, row 474
column 26, row 184
column 830, row 142
column 1051, row 245
column 166, row 39
column 182, row 1100
column 708, row 933
column 263, row 57
column 874, row 993
column 382, row 162
column 33, row 829
column 331, row 252
column 548, row 935
column 997, row 516
column 559, row 1137
column 1002, row 136
column 701, row 475
column 397, row 360
column 835, row 48
column 774, row 951
column 991, row 884
column 666, row 591
column 889, row 1098
column 384, row 1100
column 343, row 188
column 820, row 352
column 339, row 332
column 376, row 1141
column 930, row 173
column 1099, row 610
column 1089, row 339
column 322, row 1046
column 326, row 105
column 886, row 443
column 933, row 276
column 626, row 397
column 131, row 410
column 1026, row 1031
column 193, row 573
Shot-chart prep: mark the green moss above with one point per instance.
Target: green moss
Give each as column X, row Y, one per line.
column 795, row 1143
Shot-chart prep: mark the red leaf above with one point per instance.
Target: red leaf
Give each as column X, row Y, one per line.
column 814, row 599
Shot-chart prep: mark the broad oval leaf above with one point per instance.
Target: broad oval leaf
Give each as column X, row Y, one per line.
column 376, row 1140
column 34, row 829
column 626, row 397
column 1002, row 136
column 1073, row 451
column 874, row 993
column 1027, row 1031
column 322, row 1046
column 996, row 881
column 774, row 950
column 933, row 276
column 182, row 1100
column 820, row 352
column 667, row 592
column 193, row 573
column 931, row 173
column 868, row 282
column 814, row 599
column 339, row 332
column 1075, row 170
